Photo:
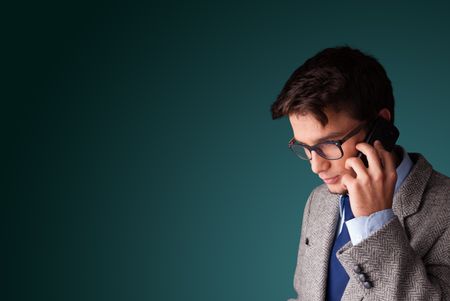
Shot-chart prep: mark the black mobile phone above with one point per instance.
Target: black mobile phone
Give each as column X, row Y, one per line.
column 384, row 131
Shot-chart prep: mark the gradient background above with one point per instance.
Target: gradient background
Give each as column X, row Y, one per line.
column 140, row 158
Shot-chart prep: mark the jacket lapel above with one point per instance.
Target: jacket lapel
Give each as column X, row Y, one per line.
column 408, row 197
column 322, row 236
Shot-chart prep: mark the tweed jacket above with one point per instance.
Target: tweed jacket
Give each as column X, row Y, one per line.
column 407, row 259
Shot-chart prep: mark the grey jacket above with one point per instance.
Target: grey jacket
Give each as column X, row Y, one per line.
column 407, row 259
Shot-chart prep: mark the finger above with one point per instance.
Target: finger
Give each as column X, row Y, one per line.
column 372, row 155
column 358, row 166
column 347, row 180
column 387, row 157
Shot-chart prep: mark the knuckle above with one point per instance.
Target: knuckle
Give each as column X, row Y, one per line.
column 393, row 175
column 353, row 160
column 379, row 145
column 365, row 182
column 364, row 179
column 371, row 150
column 378, row 176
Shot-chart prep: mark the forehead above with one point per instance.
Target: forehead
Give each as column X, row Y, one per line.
column 309, row 130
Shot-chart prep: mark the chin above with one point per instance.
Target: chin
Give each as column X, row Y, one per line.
column 336, row 189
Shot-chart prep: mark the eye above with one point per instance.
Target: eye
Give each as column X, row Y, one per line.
column 321, row 148
column 329, row 150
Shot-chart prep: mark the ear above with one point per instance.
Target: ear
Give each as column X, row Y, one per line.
column 385, row 113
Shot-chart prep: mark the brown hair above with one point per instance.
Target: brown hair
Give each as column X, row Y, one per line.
column 339, row 78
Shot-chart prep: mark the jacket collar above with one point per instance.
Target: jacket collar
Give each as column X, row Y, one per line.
column 409, row 195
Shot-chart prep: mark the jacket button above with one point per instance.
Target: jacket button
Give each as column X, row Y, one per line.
column 368, row 285
column 357, row 269
column 362, row 277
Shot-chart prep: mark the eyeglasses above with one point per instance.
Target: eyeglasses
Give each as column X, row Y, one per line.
column 330, row 150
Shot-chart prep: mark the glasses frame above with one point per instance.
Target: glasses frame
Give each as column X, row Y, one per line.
column 316, row 147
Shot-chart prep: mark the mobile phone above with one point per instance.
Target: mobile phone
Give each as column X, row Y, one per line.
column 384, row 131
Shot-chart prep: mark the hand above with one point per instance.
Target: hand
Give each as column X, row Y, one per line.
column 372, row 188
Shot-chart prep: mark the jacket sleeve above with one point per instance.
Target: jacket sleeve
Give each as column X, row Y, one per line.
column 385, row 266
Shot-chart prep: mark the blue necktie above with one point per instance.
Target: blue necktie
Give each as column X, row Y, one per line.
column 337, row 276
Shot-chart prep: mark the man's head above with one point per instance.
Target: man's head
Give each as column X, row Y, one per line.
column 331, row 94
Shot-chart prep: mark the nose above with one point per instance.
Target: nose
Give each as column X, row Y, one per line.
column 318, row 164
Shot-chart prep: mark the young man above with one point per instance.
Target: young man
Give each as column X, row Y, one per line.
column 375, row 230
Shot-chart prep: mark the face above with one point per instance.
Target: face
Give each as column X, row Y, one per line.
column 309, row 130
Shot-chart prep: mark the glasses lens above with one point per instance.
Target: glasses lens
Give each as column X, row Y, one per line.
column 301, row 151
column 329, row 151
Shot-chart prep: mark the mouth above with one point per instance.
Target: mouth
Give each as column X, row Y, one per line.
column 332, row 180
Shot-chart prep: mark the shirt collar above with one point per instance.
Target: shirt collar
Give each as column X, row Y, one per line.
column 403, row 168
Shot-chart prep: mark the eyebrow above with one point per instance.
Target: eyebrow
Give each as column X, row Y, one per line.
column 327, row 137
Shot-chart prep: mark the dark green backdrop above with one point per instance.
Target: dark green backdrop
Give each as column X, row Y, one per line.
column 140, row 158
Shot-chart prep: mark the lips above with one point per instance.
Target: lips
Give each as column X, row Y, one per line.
column 331, row 180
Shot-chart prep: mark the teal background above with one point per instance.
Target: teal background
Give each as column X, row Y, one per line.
column 140, row 158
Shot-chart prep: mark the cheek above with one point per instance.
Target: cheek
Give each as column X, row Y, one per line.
column 349, row 150
column 339, row 165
